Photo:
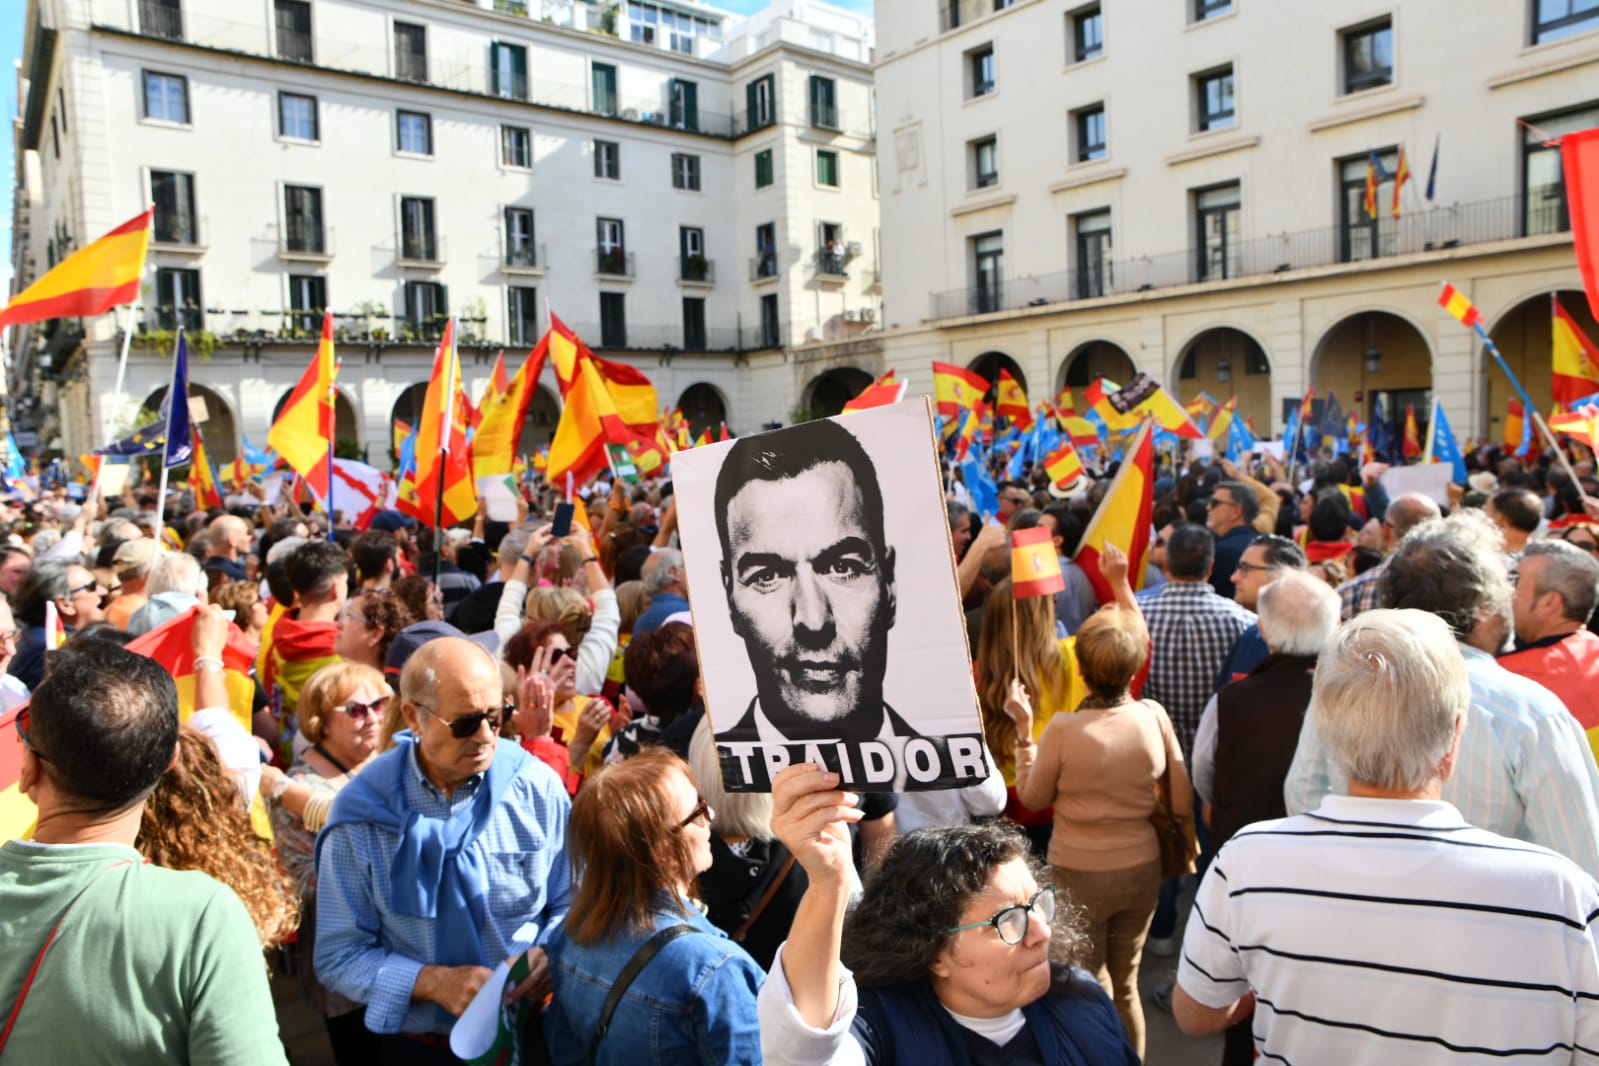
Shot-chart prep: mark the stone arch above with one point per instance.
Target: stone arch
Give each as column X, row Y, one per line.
column 990, row 363
column 1523, row 336
column 830, row 390
column 543, row 415
column 704, row 407
column 1226, row 361
column 346, row 423
column 1376, row 362
column 220, row 428
column 1094, row 359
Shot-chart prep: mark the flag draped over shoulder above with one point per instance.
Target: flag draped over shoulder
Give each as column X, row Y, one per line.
column 1123, row 517
column 1576, row 360
column 302, row 434
column 172, row 645
column 90, row 281
column 445, row 492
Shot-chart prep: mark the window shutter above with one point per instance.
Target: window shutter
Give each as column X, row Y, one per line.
column 749, row 100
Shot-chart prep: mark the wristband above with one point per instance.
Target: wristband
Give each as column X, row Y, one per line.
column 529, row 560
column 592, row 559
column 279, row 787
column 202, row 662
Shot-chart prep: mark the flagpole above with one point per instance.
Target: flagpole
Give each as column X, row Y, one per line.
column 1532, row 409
column 127, row 334
column 443, row 468
column 172, row 398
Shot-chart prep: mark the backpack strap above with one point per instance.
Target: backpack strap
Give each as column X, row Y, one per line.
column 766, row 897
column 641, row 958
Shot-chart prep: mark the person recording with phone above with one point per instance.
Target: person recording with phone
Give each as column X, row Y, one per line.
column 593, row 654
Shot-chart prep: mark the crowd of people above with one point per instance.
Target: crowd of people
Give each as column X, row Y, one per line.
column 488, row 744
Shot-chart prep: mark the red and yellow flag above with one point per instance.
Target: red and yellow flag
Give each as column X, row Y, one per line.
column 504, row 411
column 589, row 422
column 1455, row 302
column 880, row 393
column 1401, row 175
column 1576, row 360
column 1583, row 424
column 302, row 434
column 1514, row 422
column 1222, row 424
column 202, row 476
column 1010, row 401
column 956, row 387
column 1412, row 444
column 1034, row 566
column 90, row 281
column 445, row 492
column 631, row 392
column 1123, row 517
column 1063, row 466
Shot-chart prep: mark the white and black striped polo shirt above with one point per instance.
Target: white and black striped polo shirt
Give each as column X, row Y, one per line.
column 1390, row 931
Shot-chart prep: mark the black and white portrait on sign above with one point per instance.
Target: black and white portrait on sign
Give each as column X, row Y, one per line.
column 825, row 604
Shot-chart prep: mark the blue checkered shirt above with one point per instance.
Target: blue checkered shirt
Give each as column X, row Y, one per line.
column 372, row 955
column 1524, row 769
column 1191, row 632
column 1360, row 593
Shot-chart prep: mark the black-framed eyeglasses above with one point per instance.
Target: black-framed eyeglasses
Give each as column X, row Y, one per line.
column 701, row 809
column 1011, row 922
column 22, row 731
column 1220, row 501
column 468, row 724
column 1251, row 568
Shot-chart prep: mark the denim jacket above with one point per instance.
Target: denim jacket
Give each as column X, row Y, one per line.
column 694, row 1002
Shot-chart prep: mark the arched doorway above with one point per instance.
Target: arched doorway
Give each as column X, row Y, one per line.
column 220, row 428
column 543, row 415
column 1227, row 362
column 347, row 440
column 702, row 405
column 1523, row 336
column 830, row 391
column 1095, row 359
column 989, row 364
column 1377, row 364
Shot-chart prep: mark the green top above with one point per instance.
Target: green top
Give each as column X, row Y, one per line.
column 149, row 966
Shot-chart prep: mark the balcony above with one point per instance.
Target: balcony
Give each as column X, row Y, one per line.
column 514, row 7
column 295, row 45
column 411, row 66
column 527, row 259
column 763, row 266
column 1417, row 233
column 830, row 265
column 178, row 234
column 748, row 121
column 311, row 244
column 161, row 18
column 825, row 117
column 956, row 13
column 762, row 338
column 695, row 270
column 421, row 252
column 613, row 263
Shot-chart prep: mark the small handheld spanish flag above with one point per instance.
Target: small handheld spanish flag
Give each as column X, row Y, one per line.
column 1034, row 566
column 55, row 634
column 1064, row 467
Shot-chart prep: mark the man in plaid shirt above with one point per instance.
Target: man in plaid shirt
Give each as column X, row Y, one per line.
column 1403, row 514
column 1191, row 630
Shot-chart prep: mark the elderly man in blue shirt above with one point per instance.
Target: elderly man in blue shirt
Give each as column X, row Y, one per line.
column 443, row 856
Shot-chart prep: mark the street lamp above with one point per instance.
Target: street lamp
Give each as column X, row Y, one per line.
column 1373, row 360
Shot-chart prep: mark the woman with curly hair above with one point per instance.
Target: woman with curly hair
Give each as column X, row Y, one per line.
column 371, row 620
column 958, row 951
column 194, row 820
column 582, row 723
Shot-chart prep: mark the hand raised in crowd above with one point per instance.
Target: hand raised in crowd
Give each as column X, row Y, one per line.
column 581, row 540
column 992, row 535
column 1019, row 705
column 521, row 507
column 1113, row 564
column 558, row 668
column 535, row 703
column 210, row 633
column 624, row 713
column 536, row 985
column 1229, row 468
column 811, row 816
column 451, row 987
column 596, row 714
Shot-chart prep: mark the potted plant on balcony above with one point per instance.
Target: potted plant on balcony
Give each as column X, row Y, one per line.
column 695, row 267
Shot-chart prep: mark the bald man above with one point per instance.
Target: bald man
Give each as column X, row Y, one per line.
column 1404, row 514
column 227, row 542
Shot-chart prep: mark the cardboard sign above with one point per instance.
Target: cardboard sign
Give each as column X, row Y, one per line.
column 825, row 604
column 1429, row 479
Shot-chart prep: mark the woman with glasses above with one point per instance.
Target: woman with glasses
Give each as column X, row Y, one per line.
column 341, row 713
column 582, row 723
column 959, row 950
column 371, row 619
column 638, row 838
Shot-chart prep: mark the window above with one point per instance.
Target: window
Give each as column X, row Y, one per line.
column 294, row 29
column 161, row 18
column 1554, row 19
column 760, row 98
column 302, row 219
column 1367, row 230
column 508, row 70
column 1368, row 55
column 984, row 156
column 1089, row 129
column 1547, row 209
column 608, row 160
column 831, row 252
column 308, row 297
column 613, row 320
column 414, row 132
column 763, row 168
column 522, row 316
column 297, row 117
column 694, row 323
column 173, row 196
column 824, row 103
column 177, row 298
column 612, row 250
column 427, row 305
column 166, row 97
column 418, row 238
column 684, row 98
column 1088, row 34
column 1213, row 93
column 668, row 28
column 519, row 247
column 827, row 168
column 308, row 293
column 685, row 171
column 410, row 51
column 603, row 79
column 1093, row 254
column 516, row 146
column 692, row 264
column 766, row 250
column 1209, row 9
column 1216, row 215
column 771, row 328
column 988, row 268
column 980, row 71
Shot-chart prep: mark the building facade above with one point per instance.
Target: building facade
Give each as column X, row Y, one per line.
column 692, row 192
column 1179, row 186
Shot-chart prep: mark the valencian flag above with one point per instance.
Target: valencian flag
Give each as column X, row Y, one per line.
column 445, row 490
column 1064, row 467
column 1401, row 175
column 503, row 413
column 202, row 477
column 880, row 393
column 1374, row 177
column 1412, row 444
column 1124, row 516
column 89, row 281
column 1034, row 566
column 302, row 434
column 955, row 387
column 1576, row 360
column 1010, row 401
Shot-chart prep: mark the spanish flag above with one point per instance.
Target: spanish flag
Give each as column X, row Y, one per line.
column 1124, row 516
column 1401, row 175
column 1063, row 466
column 503, row 413
column 1010, row 401
column 1412, row 443
column 1576, row 360
column 1222, row 424
column 89, row 281
column 955, row 387
column 1144, row 395
column 880, row 393
column 967, row 434
column 302, row 434
column 446, row 493
column 631, row 392
column 1034, row 566
column 1455, row 302
column 202, row 478
column 1583, row 424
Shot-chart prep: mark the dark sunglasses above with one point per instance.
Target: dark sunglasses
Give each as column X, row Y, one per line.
column 82, row 588
column 22, row 731
column 468, row 724
column 557, row 654
column 359, row 711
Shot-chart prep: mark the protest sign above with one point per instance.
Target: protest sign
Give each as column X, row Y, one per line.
column 825, row 605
